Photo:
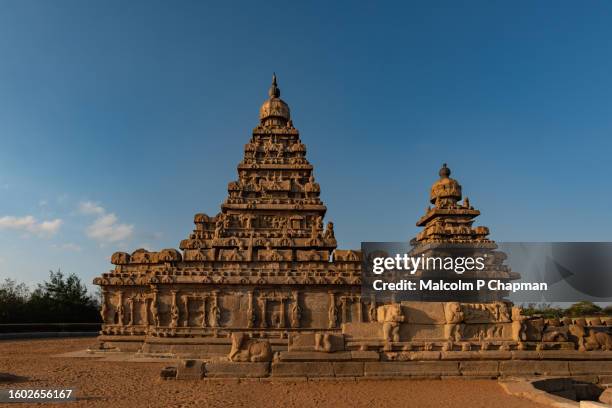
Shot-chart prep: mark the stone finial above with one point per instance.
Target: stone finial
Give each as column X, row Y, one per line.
column 274, row 91
column 444, row 171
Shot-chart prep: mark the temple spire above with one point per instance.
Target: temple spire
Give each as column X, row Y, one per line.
column 274, row 91
column 274, row 112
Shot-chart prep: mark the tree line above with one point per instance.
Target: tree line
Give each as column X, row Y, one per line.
column 580, row 309
column 61, row 299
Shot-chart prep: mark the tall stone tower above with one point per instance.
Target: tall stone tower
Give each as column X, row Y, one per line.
column 449, row 221
column 448, row 231
column 273, row 210
column 265, row 265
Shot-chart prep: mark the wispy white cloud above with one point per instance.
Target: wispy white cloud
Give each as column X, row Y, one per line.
column 68, row 246
column 91, row 208
column 30, row 224
column 106, row 227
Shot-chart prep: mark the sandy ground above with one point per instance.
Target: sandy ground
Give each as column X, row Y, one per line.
column 126, row 384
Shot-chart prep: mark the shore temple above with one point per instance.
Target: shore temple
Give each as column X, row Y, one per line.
column 263, row 281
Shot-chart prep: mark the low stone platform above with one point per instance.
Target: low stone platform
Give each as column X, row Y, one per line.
column 364, row 364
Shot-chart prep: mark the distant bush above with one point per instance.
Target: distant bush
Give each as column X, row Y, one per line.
column 62, row 299
column 583, row 309
column 544, row 310
column 579, row 309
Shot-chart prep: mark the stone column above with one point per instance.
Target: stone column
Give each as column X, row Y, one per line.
column 186, row 307
column 296, row 311
column 332, row 311
column 131, row 311
column 145, row 312
column 282, row 312
column 204, row 311
column 154, row 308
column 250, row 311
column 174, row 310
column 263, row 302
column 104, row 307
column 120, row 309
column 215, row 312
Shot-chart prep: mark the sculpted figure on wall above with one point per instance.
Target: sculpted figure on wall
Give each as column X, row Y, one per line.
column 250, row 311
column 130, row 302
column 519, row 329
column 588, row 339
column 390, row 316
column 174, row 311
column 215, row 313
column 120, row 309
column 296, row 311
column 104, row 307
column 454, row 318
column 329, row 231
column 245, row 349
column 332, row 311
column 155, row 309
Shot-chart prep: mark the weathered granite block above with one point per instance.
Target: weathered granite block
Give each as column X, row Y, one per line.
column 365, row 356
column 494, row 355
column 424, row 312
column 314, row 355
column 459, row 355
column 229, row 369
column 590, row 367
column 302, row 369
column 190, row 370
column 424, row 355
column 414, row 331
column 533, row 367
column 348, row 369
column 480, row 368
column 526, row 355
column 576, row 355
column 358, row 330
column 308, row 342
column 411, row 368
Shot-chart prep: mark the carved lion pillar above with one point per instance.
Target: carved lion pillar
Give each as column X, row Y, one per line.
column 104, row 307
column 359, row 310
column 154, row 308
column 130, row 302
column 282, row 312
column 250, row 311
column 215, row 312
column 296, row 310
column 174, row 310
column 145, row 312
column 344, row 309
column 120, row 309
column 186, row 309
column 203, row 311
column 372, row 309
column 333, row 310
column 263, row 303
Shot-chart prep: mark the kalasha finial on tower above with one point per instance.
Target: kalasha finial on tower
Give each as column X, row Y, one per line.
column 274, row 90
column 274, row 111
column 444, row 171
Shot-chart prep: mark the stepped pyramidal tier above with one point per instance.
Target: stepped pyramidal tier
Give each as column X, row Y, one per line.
column 263, row 282
column 448, row 231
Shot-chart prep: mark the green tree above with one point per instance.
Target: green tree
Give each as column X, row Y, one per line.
column 584, row 308
column 13, row 301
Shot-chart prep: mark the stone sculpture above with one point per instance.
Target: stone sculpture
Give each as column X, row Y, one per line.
column 249, row 350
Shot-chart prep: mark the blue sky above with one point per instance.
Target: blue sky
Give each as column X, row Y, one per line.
column 120, row 120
